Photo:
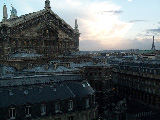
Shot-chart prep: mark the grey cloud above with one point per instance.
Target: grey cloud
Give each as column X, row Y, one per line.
column 155, row 31
column 118, row 12
column 142, row 44
column 88, row 45
column 115, row 12
column 134, row 21
column 140, row 34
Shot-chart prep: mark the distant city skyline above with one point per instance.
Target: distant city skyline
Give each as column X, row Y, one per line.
column 103, row 24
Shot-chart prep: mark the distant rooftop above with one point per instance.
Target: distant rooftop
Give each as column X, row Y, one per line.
column 23, row 54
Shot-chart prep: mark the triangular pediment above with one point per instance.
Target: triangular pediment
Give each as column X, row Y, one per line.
column 36, row 22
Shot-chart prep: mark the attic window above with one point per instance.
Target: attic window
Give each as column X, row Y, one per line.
column 54, row 89
column 40, row 90
column 26, row 92
column 84, row 85
column 88, row 84
column 10, row 93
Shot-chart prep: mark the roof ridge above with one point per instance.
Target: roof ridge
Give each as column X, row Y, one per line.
column 23, row 18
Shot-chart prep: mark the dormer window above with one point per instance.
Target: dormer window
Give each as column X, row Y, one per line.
column 88, row 84
column 26, row 92
column 10, row 93
column 54, row 89
column 12, row 113
column 70, row 105
column 40, row 90
column 28, row 111
column 84, row 85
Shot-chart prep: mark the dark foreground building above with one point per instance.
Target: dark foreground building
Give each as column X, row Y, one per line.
column 47, row 97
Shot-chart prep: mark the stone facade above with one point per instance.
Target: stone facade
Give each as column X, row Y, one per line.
column 100, row 80
column 138, row 81
column 43, row 31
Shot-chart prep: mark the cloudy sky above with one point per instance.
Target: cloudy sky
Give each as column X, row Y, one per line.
column 103, row 24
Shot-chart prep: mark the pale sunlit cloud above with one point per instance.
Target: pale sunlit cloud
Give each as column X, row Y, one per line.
column 98, row 21
column 103, row 27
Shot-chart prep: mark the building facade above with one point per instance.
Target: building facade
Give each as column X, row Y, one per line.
column 139, row 81
column 99, row 77
column 42, row 31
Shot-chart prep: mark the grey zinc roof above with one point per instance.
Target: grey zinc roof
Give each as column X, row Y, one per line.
column 51, row 69
column 81, row 90
column 63, row 91
column 38, row 79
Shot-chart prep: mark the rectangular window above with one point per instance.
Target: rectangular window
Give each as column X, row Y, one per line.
column 57, row 118
column 70, row 105
column 94, row 99
column 40, row 90
column 12, row 113
column 28, row 111
column 70, row 118
column 154, row 91
column 87, row 102
column 57, row 107
column 43, row 109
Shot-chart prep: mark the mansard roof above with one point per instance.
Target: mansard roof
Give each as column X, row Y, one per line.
column 44, row 93
column 38, row 79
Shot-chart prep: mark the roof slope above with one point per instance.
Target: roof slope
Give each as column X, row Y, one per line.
column 24, row 18
column 37, row 94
